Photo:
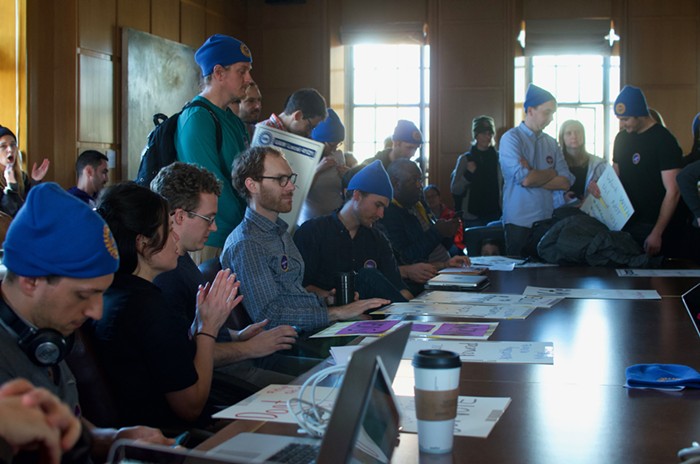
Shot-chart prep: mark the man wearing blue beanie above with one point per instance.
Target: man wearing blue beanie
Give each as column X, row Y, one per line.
column 346, row 241
column 225, row 63
column 533, row 166
column 647, row 158
column 51, row 289
column 326, row 191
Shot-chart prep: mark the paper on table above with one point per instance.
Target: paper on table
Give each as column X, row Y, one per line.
column 457, row 310
column 486, row 352
column 458, row 330
column 658, row 272
column 495, row 299
column 594, row 293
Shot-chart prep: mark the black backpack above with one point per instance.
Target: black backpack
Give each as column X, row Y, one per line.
column 160, row 149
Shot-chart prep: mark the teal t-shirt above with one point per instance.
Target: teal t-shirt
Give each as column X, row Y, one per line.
column 195, row 141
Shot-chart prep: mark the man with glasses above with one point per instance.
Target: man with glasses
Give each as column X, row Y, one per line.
column 263, row 255
column 192, row 194
column 249, row 108
column 303, row 111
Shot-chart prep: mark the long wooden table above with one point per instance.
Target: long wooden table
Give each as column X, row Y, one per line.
column 575, row 411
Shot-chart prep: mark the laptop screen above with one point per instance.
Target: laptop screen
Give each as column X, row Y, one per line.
column 379, row 428
column 691, row 300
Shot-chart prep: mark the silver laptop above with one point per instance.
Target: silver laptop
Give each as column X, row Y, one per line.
column 364, row 422
column 691, row 300
column 457, row 282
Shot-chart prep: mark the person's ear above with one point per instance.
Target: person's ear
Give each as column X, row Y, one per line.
column 28, row 285
column 251, row 185
column 298, row 115
column 88, row 172
column 179, row 216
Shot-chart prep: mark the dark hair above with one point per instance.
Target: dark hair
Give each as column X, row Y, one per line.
column 400, row 169
column 131, row 210
column 429, row 187
column 250, row 163
column 181, row 183
column 309, row 102
column 89, row 158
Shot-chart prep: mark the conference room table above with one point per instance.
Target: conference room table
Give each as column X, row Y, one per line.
column 575, row 410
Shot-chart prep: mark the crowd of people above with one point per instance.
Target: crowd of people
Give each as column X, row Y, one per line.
column 162, row 329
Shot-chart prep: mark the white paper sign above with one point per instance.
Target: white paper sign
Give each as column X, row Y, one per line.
column 594, row 293
column 494, row 299
column 613, row 208
column 476, row 416
column 658, row 272
column 486, row 352
column 301, row 153
column 458, row 310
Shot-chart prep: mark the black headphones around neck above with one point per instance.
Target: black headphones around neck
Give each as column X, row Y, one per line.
column 44, row 347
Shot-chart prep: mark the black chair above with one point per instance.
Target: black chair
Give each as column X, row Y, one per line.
column 475, row 236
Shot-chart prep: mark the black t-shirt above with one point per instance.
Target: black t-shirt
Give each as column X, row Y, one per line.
column 641, row 158
column 580, row 173
column 145, row 350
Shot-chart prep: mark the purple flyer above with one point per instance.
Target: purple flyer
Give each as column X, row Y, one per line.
column 367, row 327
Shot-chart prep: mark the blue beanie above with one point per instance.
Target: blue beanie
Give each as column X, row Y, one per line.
column 664, row 376
column 407, row 132
column 696, row 124
column 631, row 102
column 535, row 96
column 373, row 179
column 223, row 50
column 56, row 234
column 330, row 130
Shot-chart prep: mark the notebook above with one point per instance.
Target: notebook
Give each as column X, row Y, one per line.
column 457, row 282
column 364, row 423
column 691, row 300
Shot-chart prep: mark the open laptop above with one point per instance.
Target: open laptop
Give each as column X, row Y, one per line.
column 364, row 423
column 691, row 300
column 456, row 282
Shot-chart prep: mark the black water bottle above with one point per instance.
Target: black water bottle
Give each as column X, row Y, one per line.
column 344, row 288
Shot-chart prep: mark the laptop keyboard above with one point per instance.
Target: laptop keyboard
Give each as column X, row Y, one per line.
column 296, row 453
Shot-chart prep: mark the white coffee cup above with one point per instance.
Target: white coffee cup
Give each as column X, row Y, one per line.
column 436, row 392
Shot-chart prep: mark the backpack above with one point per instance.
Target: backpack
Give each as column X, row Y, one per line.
column 160, row 149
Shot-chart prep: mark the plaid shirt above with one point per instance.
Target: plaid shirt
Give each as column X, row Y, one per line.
column 271, row 269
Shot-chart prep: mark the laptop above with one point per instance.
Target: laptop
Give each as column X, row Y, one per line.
column 456, row 282
column 133, row 452
column 364, row 422
column 691, row 300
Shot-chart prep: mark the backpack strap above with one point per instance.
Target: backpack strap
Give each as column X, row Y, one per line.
column 201, row 104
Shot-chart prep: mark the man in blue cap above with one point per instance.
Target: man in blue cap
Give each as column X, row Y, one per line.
column 533, row 166
column 326, row 191
column 263, row 255
column 647, row 158
column 345, row 241
column 50, row 290
column 226, row 64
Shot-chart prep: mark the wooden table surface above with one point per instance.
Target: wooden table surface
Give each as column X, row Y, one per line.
column 576, row 410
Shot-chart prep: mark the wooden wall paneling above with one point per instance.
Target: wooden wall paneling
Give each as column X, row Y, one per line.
column 193, row 30
column 62, row 148
column 97, row 20
column 8, row 65
column 135, row 14
column 472, row 54
column 96, row 104
column 557, row 9
column 655, row 8
column 165, row 19
column 226, row 17
column 677, row 105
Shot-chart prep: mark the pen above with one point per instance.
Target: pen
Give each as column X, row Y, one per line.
column 181, row 439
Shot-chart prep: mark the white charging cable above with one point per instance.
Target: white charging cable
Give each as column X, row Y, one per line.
column 308, row 412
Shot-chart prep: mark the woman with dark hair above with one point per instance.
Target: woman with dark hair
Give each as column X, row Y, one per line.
column 584, row 166
column 160, row 369
column 14, row 182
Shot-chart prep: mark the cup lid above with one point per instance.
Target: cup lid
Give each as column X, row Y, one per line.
column 436, row 359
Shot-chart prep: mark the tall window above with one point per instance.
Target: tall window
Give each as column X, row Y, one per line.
column 387, row 83
column 585, row 87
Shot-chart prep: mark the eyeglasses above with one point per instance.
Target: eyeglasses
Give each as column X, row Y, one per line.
column 282, row 180
column 210, row 220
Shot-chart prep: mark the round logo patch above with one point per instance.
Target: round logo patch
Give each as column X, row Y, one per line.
column 636, row 158
column 265, row 138
column 110, row 244
column 550, row 160
column 620, row 108
column 284, row 263
column 370, row 264
column 245, row 50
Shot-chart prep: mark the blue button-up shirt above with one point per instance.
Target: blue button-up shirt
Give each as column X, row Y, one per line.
column 523, row 206
column 270, row 268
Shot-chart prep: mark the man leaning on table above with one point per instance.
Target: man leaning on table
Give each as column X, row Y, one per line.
column 263, row 255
